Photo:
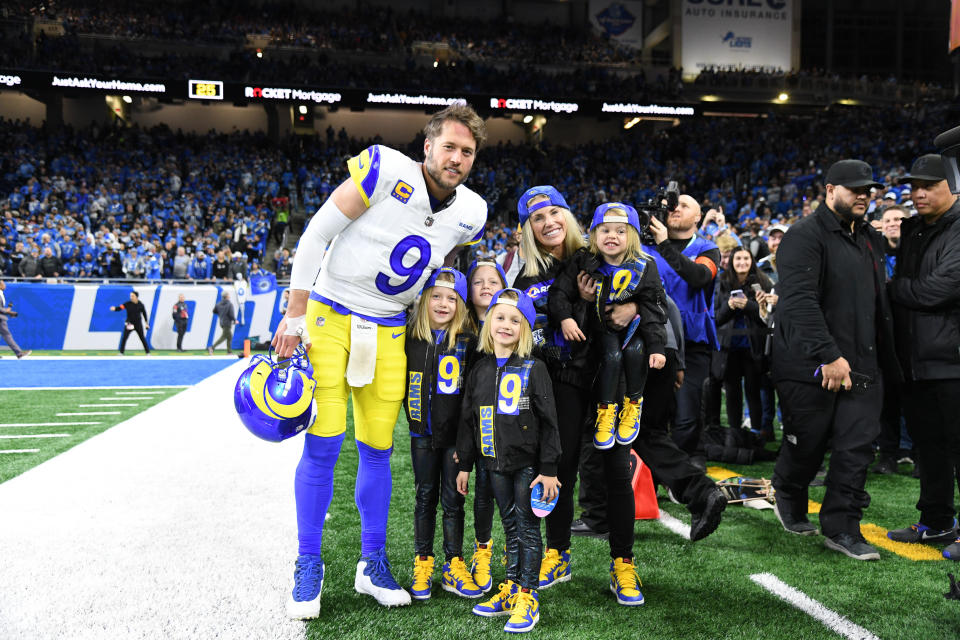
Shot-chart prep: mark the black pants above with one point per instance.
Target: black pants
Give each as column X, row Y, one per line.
column 138, row 328
column 592, row 494
column 631, row 360
column 520, row 526
column 686, row 427
column 742, row 366
column 482, row 503
column 768, row 404
column 435, row 475
column 889, row 440
column 181, row 330
column 575, row 413
column 669, row 464
column 932, row 408
column 812, row 416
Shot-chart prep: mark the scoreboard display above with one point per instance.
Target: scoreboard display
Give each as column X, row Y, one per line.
column 205, row 89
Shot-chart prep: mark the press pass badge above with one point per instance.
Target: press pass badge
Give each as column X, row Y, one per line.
column 541, row 508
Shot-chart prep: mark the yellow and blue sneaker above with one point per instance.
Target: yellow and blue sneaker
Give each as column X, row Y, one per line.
column 629, row 425
column 457, row 579
column 555, row 568
column 422, row 578
column 304, row 602
column 603, row 433
column 500, row 604
column 625, row 583
column 525, row 613
column 480, row 565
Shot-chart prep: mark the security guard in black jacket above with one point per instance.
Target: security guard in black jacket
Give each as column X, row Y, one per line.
column 832, row 351
column 925, row 295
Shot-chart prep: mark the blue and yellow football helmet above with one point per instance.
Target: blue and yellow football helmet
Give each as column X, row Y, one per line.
column 275, row 399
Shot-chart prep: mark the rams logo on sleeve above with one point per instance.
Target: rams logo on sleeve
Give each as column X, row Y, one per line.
column 402, row 191
column 414, row 395
column 486, row 432
column 365, row 171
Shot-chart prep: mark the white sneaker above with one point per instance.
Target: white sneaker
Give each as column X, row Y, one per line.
column 375, row 579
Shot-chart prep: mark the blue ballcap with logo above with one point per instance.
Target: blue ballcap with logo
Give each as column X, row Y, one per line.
column 607, row 213
column 555, row 198
column 459, row 283
column 523, row 303
column 487, row 263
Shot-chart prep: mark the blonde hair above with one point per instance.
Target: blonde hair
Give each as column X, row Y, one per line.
column 524, row 345
column 539, row 259
column 462, row 113
column 634, row 246
column 421, row 324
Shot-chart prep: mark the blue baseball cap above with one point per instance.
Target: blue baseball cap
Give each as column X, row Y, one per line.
column 555, row 199
column 603, row 214
column 487, row 263
column 524, row 304
column 459, row 283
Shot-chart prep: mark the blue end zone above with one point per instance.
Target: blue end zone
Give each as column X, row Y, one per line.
column 108, row 372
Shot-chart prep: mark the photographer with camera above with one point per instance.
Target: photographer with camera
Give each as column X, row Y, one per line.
column 6, row 310
column 688, row 266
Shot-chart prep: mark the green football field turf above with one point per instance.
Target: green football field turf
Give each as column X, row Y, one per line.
column 42, row 406
column 692, row 590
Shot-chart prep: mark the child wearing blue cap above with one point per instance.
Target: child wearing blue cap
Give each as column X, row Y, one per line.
column 509, row 419
column 439, row 350
column 624, row 273
column 484, row 279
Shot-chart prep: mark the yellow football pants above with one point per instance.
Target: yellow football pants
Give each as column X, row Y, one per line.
column 376, row 405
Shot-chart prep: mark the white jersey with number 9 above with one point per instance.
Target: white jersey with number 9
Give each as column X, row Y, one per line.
column 377, row 265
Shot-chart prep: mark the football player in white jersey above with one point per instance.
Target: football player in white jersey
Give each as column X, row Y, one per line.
column 388, row 226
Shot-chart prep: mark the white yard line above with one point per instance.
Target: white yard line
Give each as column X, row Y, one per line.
column 89, row 413
column 138, row 393
column 165, row 573
column 36, row 435
column 812, row 608
column 99, row 388
column 19, row 450
column 128, row 398
column 45, row 424
column 677, row 526
column 111, row 404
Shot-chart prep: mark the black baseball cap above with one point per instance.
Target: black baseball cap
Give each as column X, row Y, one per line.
column 852, row 174
column 927, row 167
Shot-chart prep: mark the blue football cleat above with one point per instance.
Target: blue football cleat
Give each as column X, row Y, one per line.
column 375, row 579
column 304, row 602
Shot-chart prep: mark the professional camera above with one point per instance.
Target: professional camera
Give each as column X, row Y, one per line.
column 658, row 207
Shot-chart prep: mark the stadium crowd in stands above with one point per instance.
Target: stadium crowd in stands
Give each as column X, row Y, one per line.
column 144, row 203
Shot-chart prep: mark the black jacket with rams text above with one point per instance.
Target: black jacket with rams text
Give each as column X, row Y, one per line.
column 509, row 417
column 435, row 378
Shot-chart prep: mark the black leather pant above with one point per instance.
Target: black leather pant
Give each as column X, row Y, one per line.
column 482, row 502
column 632, row 360
column 521, row 528
column 435, row 474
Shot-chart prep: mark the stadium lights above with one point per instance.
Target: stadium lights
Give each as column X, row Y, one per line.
column 783, row 97
column 631, row 122
column 259, row 53
column 527, row 119
column 436, row 63
column 128, row 99
column 710, row 98
column 303, row 109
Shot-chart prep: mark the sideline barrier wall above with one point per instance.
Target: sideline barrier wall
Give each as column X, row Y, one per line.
column 78, row 316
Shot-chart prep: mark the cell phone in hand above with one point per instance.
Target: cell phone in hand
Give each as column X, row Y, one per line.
column 738, row 293
column 756, row 288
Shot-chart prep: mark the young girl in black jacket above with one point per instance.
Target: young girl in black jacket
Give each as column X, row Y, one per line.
column 509, row 418
column 624, row 274
column 484, row 279
column 439, row 350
